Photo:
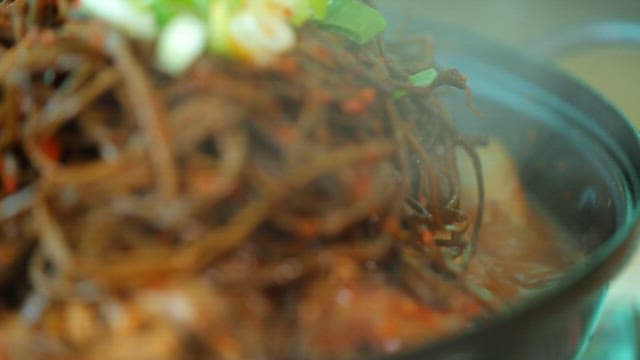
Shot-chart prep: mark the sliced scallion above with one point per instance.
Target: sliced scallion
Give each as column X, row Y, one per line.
column 424, row 77
column 319, row 8
column 353, row 19
column 219, row 16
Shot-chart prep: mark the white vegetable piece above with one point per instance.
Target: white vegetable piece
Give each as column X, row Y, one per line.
column 123, row 14
column 261, row 34
column 180, row 43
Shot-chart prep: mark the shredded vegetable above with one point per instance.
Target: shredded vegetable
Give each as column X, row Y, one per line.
column 230, row 210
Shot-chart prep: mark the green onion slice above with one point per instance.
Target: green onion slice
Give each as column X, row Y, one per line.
column 353, row 19
column 424, row 77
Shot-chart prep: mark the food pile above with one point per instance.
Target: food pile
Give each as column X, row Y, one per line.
column 242, row 201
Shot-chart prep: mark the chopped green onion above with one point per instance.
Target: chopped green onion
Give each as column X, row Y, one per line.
column 353, row 19
column 301, row 12
column 424, row 77
column 399, row 94
column 219, row 17
column 319, row 8
column 166, row 9
column 162, row 12
column 304, row 10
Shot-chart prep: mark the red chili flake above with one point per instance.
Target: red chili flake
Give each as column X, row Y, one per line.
column 353, row 106
column 288, row 66
column 286, row 134
column 427, row 238
column 360, row 102
column 9, row 175
column 391, row 225
column 388, row 329
column 9, row 184
column 47, row 37
column 52, row 147
column 368, row 95
column 308, row 228
column 323, row 53
column 204, row 181
column 362, row 187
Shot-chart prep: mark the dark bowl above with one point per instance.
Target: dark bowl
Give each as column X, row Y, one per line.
column 583, row 168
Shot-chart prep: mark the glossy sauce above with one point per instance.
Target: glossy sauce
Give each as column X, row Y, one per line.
column 519, row 252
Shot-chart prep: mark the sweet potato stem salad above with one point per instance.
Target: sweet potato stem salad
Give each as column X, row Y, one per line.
column 232, row 179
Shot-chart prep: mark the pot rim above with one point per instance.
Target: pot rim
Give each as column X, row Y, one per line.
column 592, row 274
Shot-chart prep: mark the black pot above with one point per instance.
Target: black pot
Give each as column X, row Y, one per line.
column 583, row 168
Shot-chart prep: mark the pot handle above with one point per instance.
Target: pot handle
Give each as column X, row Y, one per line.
column 584, row 36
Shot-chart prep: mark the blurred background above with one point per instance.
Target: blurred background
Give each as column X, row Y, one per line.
column 612, row 70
